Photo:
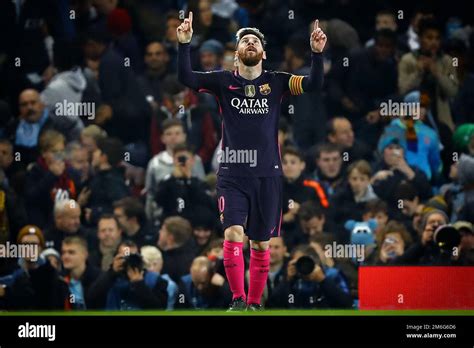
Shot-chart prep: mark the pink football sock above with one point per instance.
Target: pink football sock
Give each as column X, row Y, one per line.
column 234, row 268
column 259, row 268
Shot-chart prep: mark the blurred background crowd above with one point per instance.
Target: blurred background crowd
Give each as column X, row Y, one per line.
column 107, row 162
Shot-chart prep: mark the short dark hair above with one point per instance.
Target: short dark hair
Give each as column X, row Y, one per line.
column 376, row 206
column 291, row 150
column 327, row 147
column 406, row 190
column 246, row 31
column 183, row 147
column 112, row 148
column 172, row 86
column 132, row 207
column 171, row 122
column 108, row 216
column 309, row 210
column 428, row 23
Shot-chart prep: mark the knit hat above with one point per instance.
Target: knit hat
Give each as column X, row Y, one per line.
column 436, row 203
column 212, row 46
column 31, row 229
column 464, row 226
column 466, row 170
column 462, row 136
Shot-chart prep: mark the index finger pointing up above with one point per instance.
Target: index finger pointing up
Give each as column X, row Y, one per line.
column 316, row 24
column 190, row 17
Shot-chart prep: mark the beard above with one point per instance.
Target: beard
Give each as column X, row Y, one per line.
column 249, row 59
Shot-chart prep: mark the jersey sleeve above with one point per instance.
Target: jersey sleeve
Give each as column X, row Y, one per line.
column 299, row 84
column 196, row 80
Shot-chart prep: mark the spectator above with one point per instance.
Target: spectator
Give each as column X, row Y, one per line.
column 130, row 214
column 421, row 141
column 78, row 158
column 34, row 119
column 108, row 183
column 173, row 238
column 308, row 287
column 392, row 170
column 79, row 275
column 156, row 69
column 67, row 222
column 161, row 165
column 34, row 283
column 328, row 167
column 109, row 236
column 204, row 229
column 340, row 133
column 393, row 240
column 378, row 210
column 11, row 167
column 278, row 264
column 208, row 25
column 153, row 260
column 48, row 180
column 180, row 193
column 349, row 202
column 296, row 188
column 202, row 288
column 466, row 180
column 125, row 112
column 466, row 252
column 210, row 55
column 432, row 73
column 90, row 136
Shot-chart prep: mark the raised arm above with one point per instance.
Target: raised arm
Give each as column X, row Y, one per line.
column 314, row 81
column 193, row 79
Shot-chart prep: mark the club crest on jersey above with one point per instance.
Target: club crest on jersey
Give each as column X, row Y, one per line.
column 265, row 89
column 250, row 91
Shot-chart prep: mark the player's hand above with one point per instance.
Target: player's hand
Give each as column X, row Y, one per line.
column 185, row 30
column 318, row 38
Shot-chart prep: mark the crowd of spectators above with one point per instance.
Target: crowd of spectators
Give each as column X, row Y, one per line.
column 107, row 162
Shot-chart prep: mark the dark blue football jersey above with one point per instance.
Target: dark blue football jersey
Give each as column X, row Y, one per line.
column 249, row 111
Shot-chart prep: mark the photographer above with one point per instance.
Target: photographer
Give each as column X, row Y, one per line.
column 128, row 286
column 180, row 193
column 203, row 287
column 439, row 245
column 307, row 286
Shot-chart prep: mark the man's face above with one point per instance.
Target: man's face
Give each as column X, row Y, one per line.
column 173, row 136
column 250, row 50
column 80, row 160
column 31, row 106
column 69, row 220
column 343, row 134
column 156, row 56
column 202, row 235
column 6, row 155
column 108, row 233
column 409, row 206
column 96, row 158
column 313, row 226
column 392, row 153
column 430, row 41
column 330, row 163
column 384, row 49
column 54, row 152
column 89, row 143
column 417, row 216
column 292, row 166
column 434, row 221
column 205, row 12
column 73, row 256
column 277, row 250
column 209, row 60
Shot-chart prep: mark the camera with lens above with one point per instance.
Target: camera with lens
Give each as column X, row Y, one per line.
column 182, row 159
column 447, row 237
column 306, row 264
column 134, row 261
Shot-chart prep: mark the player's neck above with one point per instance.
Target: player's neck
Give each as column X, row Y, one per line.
column 250, row 72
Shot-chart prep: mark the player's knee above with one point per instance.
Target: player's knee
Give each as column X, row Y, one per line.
column 259, row 245
column 234, row 233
